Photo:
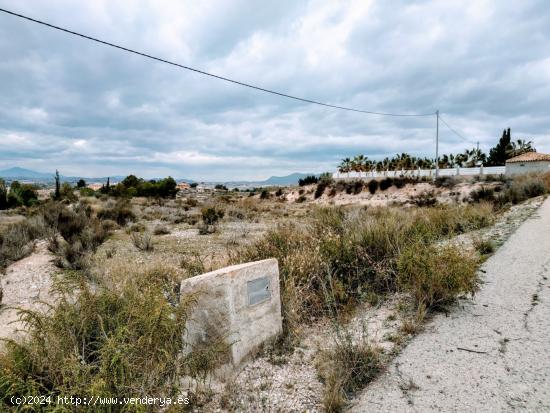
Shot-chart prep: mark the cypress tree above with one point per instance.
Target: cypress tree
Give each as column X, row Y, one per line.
column 57, row 185
column 498, row 154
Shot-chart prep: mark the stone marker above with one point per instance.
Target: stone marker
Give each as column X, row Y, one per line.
column 240, row 304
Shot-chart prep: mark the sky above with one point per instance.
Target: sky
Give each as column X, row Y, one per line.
column 91, row 110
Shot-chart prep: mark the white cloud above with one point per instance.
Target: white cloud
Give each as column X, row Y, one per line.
column 90, row 109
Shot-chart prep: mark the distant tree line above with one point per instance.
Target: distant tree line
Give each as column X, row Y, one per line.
column 503, row 150
column 132, row 186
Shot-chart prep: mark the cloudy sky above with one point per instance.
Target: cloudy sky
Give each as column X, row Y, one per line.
column 91, row 110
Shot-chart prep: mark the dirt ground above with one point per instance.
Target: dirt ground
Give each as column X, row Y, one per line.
column 287, row 382
column 26, row 285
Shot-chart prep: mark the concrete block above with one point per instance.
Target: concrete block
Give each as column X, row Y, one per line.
column 240, row 303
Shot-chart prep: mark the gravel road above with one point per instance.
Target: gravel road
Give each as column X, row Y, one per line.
column 491, row 354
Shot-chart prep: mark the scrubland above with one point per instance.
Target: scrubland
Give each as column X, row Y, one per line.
column 350, row 254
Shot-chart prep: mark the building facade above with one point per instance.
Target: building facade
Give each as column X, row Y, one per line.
column 528, row 162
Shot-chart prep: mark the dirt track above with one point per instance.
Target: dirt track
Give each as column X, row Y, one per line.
column 491, row 353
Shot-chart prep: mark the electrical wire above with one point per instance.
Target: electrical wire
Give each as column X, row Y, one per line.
column 454, row 131
column 106, row 43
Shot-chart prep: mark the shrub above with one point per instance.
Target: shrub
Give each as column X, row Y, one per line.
column 264, row 194
column 143, row 241
column 136, row 227
column 354, row 187
column 81, row 234
column 445, row 182
column 357, row 248
column 279, row 192
column 211, row 215
column 483, row 194
column 386, row 183
column 109, row 341
column 16, row 239
column 425, row 199
column 522, row 188
column 436, row 275
column 301, row 199
column 346, row 369
column 67, row 192
column 121, row 213
column 86, row 192
column 161, row 230
column 484, row 246
column 373, row 186
column 308, row 180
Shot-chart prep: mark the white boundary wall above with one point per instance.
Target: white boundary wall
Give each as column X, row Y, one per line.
column 482, row 170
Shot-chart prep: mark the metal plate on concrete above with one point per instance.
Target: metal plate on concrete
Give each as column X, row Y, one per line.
column 258, row 290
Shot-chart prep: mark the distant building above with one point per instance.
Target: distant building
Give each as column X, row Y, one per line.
column 528, row 162
column 96, row 186
column 183, row 186
column 202, row 188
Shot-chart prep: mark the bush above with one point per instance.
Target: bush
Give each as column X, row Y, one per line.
column 121, row 213
column 264, row 194
column 445, row 182
column 211, row 215
column 16, row 239
column 522, row 188
column 87, row 192
column 357, row 248
column 354, row 187
column 386, row 183
column 373, row 186
column 308, row 180
column 346, row 369
column 483, row 194
column 161, row 230
column 143, row 241
column 436, row 276
column 81, row 234
column 109, row 341
column 425, row 199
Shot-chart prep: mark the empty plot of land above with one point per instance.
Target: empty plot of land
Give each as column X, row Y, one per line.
column 491, row 353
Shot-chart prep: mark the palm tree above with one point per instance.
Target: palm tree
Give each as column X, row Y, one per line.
column 345, row 166
column 358, row 164
column 518, row 147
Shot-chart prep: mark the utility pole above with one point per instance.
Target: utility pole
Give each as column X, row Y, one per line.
column 437, row 143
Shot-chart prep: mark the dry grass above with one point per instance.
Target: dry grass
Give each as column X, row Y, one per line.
column 123, row 338
column 358, row 248
column 437, row 275
column 16, row 239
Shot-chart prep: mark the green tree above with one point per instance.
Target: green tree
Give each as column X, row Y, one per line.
column 3, row 194
column 499, row 153
column 81, row 183
column 57, row 194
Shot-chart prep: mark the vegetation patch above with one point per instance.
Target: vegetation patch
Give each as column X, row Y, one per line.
column 121, row 340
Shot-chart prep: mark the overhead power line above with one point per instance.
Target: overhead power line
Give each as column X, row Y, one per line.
column 454, row 131
column 211, row 74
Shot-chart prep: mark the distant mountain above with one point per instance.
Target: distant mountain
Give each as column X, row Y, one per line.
column 291, row 179
column 27, row 174
column 22, row 173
